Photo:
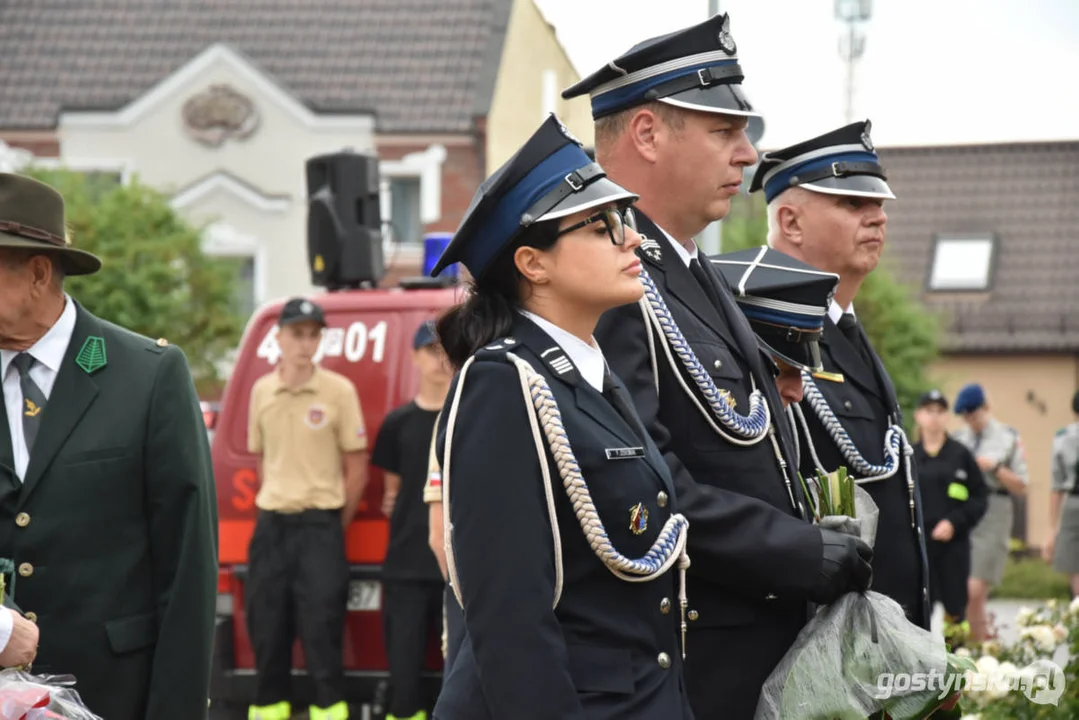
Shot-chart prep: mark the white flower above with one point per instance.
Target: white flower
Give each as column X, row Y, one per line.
column 1007, row 671
column 975, row 716
column 1073, row 607
column 991, row 647
column 1024, row 616
column 987, row 664
column 1060, row 633
column 963, row 652
column 1051, row 604
column 1042, row 636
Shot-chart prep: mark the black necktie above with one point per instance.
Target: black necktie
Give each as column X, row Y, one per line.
column 705, row 283
column 848, row 325
column 617, row 397
column 33, row 400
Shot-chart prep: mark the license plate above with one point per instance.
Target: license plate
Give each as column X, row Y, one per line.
column 364, row 595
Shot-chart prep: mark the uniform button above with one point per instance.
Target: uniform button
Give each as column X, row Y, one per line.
column 665, row 606
column 664, row 660
column 31, row 616
column 769, row 596
column 847, row 405
column 717, row 364
column 22, row 519
column 26, row 569
column 661, row 499
column 693, row 615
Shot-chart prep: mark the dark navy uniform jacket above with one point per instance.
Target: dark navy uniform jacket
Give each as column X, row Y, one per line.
column 863, row 403
column 755, row 555
column 610, row 649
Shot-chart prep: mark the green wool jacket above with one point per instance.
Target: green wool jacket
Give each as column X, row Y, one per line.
column 113, row 531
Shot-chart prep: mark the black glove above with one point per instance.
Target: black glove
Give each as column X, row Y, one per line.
column 844, row 567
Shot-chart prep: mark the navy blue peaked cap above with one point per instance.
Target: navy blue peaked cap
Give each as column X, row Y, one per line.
column 695, row 68
column 840, row 162
column 784, row 299
column 548, row 178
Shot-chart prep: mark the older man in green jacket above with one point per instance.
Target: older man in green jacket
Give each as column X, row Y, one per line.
column 107, row 507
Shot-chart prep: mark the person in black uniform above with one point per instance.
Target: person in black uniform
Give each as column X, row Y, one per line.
column 412, row 580
column 567, row 569
column 825, row 207
column 673, row 125
column 785, row 302
column 954, row 499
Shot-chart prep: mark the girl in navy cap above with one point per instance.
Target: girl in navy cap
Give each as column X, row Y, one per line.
column 562, row 541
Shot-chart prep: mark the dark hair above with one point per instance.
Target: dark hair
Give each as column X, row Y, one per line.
column 1075, row 403
column 489, row 311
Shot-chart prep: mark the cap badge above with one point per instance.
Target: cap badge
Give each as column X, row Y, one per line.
column 865, row 136
column 726, row 41
column 306, row 308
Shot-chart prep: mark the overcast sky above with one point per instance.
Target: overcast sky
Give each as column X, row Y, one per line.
column 933, row 72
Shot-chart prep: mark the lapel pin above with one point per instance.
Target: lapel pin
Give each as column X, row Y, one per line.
column 638, row 518
column 91, row 357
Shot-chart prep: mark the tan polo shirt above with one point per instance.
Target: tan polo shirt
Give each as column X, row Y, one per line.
column 432, row 489
column 301, row 434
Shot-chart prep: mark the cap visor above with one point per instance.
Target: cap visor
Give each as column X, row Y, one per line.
column 804, row 356
column 724, row 99
column 868, row 186
column 595, row 194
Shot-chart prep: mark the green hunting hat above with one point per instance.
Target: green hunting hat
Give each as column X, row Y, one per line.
column 32, row 218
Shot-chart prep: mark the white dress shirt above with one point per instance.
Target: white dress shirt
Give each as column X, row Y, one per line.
column 588, row 358
column 685, row 253
column 48, row 354
column 835, row 312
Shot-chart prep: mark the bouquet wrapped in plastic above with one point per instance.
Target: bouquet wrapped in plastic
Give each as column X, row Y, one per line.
column 860, row 655
column 40, row 697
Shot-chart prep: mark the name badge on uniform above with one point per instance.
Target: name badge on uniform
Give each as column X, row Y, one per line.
column 624, row 453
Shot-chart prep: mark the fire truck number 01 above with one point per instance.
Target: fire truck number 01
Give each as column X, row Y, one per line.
column 352, row 343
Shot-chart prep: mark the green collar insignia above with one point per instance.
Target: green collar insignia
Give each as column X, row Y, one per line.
column 91, row 357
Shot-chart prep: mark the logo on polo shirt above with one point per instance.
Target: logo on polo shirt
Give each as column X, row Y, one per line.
column 316, row 417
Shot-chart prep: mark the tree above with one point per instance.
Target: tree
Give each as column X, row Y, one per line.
column 155, row 280
column 902, row 331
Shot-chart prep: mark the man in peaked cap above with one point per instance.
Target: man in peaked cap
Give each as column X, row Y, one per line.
column 825, row 207
column 107, row 506
column 786, row 302
column 673, row 126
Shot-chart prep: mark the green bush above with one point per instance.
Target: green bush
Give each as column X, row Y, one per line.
column 1033, row 579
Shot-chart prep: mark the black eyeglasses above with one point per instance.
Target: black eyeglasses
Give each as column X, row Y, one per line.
column 615, row 219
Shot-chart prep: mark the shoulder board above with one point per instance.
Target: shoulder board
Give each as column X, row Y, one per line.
column 159, row 347
column 496, row 350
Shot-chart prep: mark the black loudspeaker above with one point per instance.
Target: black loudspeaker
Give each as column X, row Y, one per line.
column 344, row 223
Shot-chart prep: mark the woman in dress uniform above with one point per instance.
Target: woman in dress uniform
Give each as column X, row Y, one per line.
column 562, row 543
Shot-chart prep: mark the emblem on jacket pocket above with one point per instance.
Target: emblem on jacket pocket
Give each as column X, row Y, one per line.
column 638, row 518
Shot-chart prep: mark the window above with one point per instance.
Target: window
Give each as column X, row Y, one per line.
column 242, row 255
column 962, row 262
column 405, row 223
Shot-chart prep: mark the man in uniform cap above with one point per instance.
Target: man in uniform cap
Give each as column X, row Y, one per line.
column 999, row 453
column 673, row 126
column 825, row 207
column 107, row 507
column 785, row 302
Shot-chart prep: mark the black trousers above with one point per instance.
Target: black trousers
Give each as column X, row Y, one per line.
column 297, row 580
column 411, row 616
column 949, row 569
